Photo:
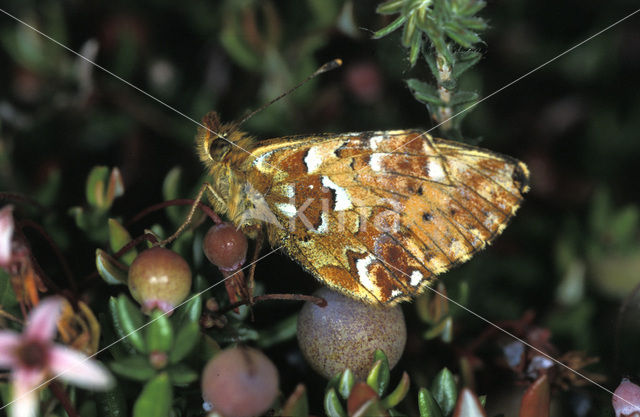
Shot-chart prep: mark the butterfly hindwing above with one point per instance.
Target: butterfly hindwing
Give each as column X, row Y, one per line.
column 378, row 214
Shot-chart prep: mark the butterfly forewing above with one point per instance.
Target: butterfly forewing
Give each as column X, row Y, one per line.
column 377, row 215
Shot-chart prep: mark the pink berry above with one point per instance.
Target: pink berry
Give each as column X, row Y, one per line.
column 240, row 382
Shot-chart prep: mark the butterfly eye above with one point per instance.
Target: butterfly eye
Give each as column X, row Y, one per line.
column 219, row 147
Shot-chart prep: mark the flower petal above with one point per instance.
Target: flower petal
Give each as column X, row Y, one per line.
column 8, row 342
column 42, row 320
column 25, row 405
column 75, row 368
column 6, row 234
column 25, row 393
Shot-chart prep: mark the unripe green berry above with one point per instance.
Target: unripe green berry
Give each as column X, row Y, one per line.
column 159, row 278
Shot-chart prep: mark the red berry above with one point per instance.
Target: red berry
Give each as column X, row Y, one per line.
column 159, row 278
column 225, row 246
column 240, row 382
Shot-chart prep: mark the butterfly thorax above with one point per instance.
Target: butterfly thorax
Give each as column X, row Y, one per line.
column 224, row 150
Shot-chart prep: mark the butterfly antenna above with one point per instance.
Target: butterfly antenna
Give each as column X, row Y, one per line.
column 331, row 65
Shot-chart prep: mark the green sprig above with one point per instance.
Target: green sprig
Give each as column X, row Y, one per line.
column 451, row 28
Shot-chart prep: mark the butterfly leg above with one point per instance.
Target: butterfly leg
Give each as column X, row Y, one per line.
column 252, row 269
column 205, row 187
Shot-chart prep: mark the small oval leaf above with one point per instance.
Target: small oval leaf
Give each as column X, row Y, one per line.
column 428, row 405
column 332, row 405
column 108, row 271
column 155, row 399
column 159, row 332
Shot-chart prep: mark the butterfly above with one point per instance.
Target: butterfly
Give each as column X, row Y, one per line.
column 374, row 215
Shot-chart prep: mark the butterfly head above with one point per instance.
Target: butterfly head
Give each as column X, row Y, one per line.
column 214, row 139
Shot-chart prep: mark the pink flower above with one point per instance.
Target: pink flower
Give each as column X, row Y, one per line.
column 626, row 399
column 6, row 235
column 34, row 359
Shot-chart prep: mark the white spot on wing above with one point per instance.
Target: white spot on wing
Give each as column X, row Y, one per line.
column 324, row 225
column 313, row 159
column 416, row 278
column 490, row 220
column 458, row 248
column 362, row 265
column 287, row 209
column 435, row 170
column 289, row 191
column 375, row 141
column 395, row 293
column 259, row 162
column 375, row 161
column 343, row 202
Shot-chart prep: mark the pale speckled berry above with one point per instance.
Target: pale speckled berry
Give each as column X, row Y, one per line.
column 347, row 332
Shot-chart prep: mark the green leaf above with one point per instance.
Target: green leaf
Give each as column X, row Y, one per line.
column 332, row 406
column 155, row 399
column 414, row 52
column 445, row 391
column 134, row 367
column 473, row 23
column 389, row 28
column 190, row 311
column 470, row 8
column 427, row 405
column 424, row 92
column 461, row 35
column 398, row 394
column 390, row 7
column 103, row 186
column 8, row 299
column 463, row 97
column 108, row 271
column 232, row 42
column 128, row 320
column 409, row 33
column 334, row 382
column 118, row 238
column 182, row 375
column 624, row 226
column 185, row 341
column 96, row 186
column 464, row 61
column 324, row 13
column 379, row 376
column 171, row 191
column 346, row 383
column 282, row 331
column 159, row 332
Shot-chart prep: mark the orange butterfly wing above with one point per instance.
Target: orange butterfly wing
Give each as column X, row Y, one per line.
column 377, row 215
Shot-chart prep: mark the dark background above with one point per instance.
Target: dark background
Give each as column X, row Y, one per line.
column 571, row 255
